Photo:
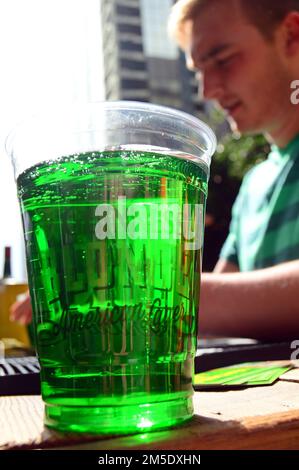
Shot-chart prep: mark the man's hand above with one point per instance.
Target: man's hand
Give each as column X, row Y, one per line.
column 21, row 311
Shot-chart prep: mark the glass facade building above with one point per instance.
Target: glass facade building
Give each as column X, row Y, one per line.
column 140, row 61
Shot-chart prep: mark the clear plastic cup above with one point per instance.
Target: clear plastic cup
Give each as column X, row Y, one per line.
column 113, row 201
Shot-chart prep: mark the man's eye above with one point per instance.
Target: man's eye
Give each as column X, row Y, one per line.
column 224, row 61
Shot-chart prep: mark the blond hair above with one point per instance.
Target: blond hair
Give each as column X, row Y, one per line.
column 265, row 15
column 182, row 12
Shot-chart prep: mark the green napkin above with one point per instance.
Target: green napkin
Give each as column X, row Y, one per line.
column 247, row 374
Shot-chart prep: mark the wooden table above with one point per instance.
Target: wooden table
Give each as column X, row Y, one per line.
column 253, row 418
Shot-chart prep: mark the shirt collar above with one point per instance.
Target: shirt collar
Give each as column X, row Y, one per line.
column 291, row 150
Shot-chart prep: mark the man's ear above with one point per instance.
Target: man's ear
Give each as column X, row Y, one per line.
column 290, row 31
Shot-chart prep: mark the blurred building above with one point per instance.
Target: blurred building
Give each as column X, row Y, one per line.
column 140, row 61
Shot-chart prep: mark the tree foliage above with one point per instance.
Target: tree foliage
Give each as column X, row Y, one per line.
column 235, row 156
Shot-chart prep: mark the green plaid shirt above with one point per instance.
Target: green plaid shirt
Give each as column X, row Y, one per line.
column 264, row 230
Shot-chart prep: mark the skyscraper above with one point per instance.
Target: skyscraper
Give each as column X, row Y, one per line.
column 125, row 75
column 140, row 61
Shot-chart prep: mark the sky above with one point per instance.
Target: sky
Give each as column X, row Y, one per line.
column 50, row 53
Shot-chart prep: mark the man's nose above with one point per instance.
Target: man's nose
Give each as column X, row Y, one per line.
column 210, row 86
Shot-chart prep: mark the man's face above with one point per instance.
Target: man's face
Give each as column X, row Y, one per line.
column 241, row 70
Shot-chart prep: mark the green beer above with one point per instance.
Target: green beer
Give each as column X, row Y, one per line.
column 114, row 264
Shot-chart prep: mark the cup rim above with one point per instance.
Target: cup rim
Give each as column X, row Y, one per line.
column 166, row 111
column 124, row 105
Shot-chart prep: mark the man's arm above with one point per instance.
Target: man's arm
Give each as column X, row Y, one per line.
column 261, row 304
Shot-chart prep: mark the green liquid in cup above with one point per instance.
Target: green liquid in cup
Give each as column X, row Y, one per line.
column 115, row 318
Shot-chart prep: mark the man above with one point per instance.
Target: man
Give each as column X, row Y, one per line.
column 247, row 54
